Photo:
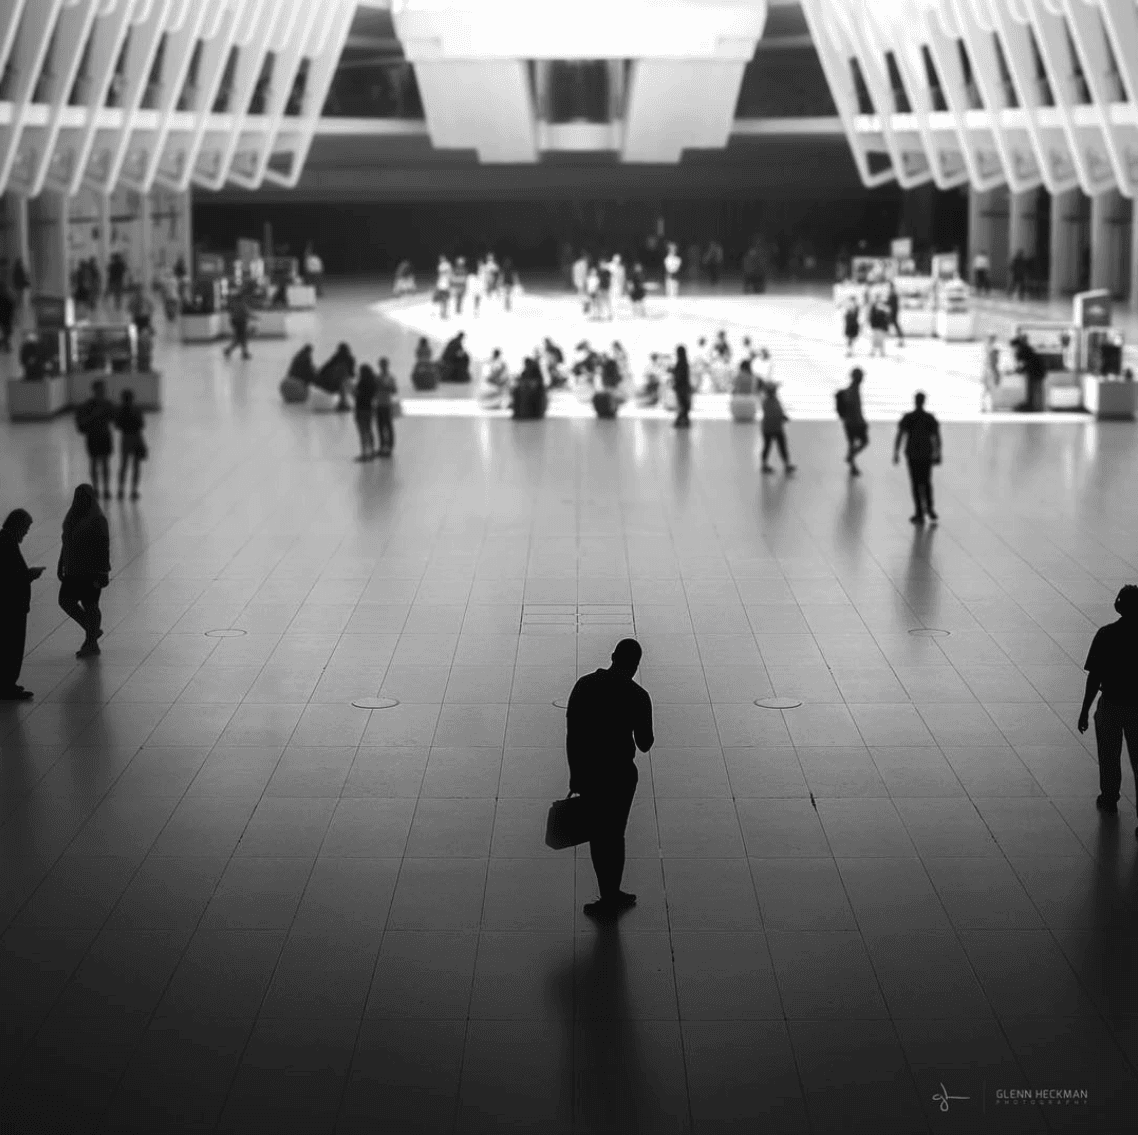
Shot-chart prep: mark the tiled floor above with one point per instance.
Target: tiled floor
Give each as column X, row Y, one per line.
column 233, row 901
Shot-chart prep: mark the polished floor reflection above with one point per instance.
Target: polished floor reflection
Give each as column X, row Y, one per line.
column 232, row 901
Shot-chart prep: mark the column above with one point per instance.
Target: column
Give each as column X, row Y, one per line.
column 980, row 228
column 1063, row 271
column 1109, row 242
column 103, row 206
column 1021, row 223
column 146, row 208
column 47, row 244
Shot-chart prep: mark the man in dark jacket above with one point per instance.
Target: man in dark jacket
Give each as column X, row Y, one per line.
column 15, row 600
column 239, row 322
column 609, row 717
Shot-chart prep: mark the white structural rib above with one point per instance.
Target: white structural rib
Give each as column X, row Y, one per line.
column 294, row 138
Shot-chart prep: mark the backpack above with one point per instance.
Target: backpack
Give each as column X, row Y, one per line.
column 841, row 403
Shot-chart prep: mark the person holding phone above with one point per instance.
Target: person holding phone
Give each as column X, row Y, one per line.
column 16, row 580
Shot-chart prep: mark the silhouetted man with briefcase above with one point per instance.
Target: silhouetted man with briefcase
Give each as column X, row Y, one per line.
column 609, row 717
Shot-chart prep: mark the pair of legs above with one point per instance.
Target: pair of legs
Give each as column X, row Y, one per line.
column 683, row 403
column 240, row 340
column 610, row 806
column 775, row 438
column 857, row 438
column 671, row 287
column 384, row 423
column 101, row 465
column 850, row 341
column 367, row 436
column 895, row 326
column 921, row 480
column 79, row 598
column 13, row 634
column 135, row 462
column 1113, row 724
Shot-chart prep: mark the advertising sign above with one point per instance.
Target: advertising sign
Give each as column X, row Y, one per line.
column 946, row 266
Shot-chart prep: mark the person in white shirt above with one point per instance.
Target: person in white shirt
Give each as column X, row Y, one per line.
column 580, row 275
column 981, row 269
column 673, row 262
column 616, row 281
column 442, row 286
column 474, row 289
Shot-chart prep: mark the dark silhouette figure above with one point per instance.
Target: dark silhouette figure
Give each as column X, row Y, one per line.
column 455, row 361
column 7, row 317
column 1112, row 671
column 609, row 717
column 1029, row 362
column 893, row 307
column 774, row 428
column 16, row 580
column 84, row 566
column 529, row 399
column 116, row 278
column 851, row 326
column 132, row 449
column 385, row 394
column 366, row 386
column 681, row 383
column 335, row 374
column 1017, row 275
column 302, row 367
column 239, row 324
column 919, row 431
column 853, row 419
column 93, row 420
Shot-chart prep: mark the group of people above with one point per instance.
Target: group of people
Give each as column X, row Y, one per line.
column 459, row 286
column 880, row 307
column 95, row 419
column 83, row 571
column 373, row 394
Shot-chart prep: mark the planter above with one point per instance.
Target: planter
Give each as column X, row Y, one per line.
column 146, row 386
column 29, row 401
column 301, row 297
column 271, row 323
column 201, row 328
column 744, row 407
column 1109, row 400
column 956, row 326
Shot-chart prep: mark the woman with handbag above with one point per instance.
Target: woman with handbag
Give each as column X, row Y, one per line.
column 84, row 566
column 132, row 448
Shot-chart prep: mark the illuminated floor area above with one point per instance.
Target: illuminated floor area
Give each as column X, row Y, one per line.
column 801, row 331
column 232, row 901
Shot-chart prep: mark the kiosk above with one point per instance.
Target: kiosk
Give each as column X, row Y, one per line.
column 1106, row 393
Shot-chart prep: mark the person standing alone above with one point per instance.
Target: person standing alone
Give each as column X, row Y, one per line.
column 609, row 717
column 681, row 384
column 853, row 419
column 1112, row 671
column 239, row 323
column 919, row 431
column 16, row 580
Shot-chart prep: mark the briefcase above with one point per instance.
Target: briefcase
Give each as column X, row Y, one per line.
column 568, row 823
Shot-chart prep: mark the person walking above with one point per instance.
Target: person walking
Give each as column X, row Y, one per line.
column 609, row 717
column 239, row 324
column 93, row 420
column 681, row 384
column 116, row 279
column 7, row 317
column 673, row 262
column 16, row 580
column 132, row 446
column 1112, row 673
column 364, row 410
column 981, row 272
column 853, row 419
column 919, row 432
column 385, row 394
column 851, row 325
column 84, row 566
column 893, row 308
column 774, row 427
